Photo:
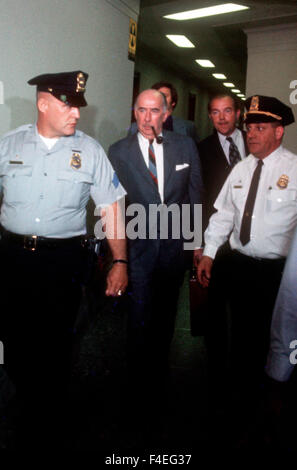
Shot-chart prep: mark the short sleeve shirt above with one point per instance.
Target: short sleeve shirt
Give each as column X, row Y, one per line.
column 45, row 191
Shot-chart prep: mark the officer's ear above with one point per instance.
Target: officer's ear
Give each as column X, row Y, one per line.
column 279, row 132
column 42, row 102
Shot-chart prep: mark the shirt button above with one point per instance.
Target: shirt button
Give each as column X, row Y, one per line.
column 41, row 196
column 45, row 174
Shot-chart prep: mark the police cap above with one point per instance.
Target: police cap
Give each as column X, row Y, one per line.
column 68, row 87
column 267, row 109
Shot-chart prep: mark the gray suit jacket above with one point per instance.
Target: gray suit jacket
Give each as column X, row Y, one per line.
column 182, row 185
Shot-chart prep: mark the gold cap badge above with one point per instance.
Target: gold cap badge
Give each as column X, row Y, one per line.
column 283, row 182
column 81, row 82
column 254, row 106
column 75, row 161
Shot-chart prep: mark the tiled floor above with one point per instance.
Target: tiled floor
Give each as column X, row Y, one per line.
column 100, row 421
column 97, row 389
column 186, row 426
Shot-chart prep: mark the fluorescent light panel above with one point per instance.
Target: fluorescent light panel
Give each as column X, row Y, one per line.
column 205, row 63
column 180, row 40
column 209, row 11
column 229, row 85
column 235, row 90
column 219, row 76
column 241, row 95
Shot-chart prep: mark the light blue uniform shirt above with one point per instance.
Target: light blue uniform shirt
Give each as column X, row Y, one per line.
column 45, row 192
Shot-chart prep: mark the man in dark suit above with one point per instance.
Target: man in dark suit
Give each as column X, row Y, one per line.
column 214, row 151
column 218, row 156
column 172, row 123
column 156, row 263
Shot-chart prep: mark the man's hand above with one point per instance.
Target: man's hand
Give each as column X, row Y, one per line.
column 197, row 255
column 204, row 270
column 117, row 280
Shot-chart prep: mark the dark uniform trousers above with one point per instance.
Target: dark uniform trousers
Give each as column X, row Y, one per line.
column 41, row 293
column 249, row 286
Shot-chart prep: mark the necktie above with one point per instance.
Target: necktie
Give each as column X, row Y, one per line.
column 152, row 162
column 245, row 230
column 234, row 155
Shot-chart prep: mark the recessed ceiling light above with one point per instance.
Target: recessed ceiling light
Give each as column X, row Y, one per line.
column 209, row 11
column 235, row 90
column 205, row 63
column 180, row 40
column 229, row 85
column 219, row 76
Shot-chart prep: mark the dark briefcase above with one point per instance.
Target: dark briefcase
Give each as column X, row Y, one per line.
column 198, row 305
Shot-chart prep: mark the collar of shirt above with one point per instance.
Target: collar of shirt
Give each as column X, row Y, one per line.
column 49, row 142
column 272, row 157
column 33, row 136
column 158, row 148
column 238, row 141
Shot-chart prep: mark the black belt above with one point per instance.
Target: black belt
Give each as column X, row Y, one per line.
column 280, row 260
column 32, row 242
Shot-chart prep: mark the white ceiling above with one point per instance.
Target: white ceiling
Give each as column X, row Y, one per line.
column 220, row 38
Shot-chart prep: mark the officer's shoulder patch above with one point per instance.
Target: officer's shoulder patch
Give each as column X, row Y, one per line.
column 115, row 180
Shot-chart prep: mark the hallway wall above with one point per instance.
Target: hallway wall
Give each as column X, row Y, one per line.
column 38, row 37
column 272, row 58
column 152, row 71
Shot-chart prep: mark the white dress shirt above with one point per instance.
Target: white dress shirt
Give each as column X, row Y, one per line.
column 275, row 211
column 238, row 141
column 158, row 148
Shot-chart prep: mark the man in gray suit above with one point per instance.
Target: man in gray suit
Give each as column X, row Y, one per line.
column 156, row 264
column 172, row 123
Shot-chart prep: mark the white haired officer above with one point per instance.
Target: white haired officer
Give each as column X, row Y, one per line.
column 48, row 172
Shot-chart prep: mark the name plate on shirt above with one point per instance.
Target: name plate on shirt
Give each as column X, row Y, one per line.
column 15, row 162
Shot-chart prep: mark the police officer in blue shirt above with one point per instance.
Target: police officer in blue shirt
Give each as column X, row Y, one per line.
column 48, row 172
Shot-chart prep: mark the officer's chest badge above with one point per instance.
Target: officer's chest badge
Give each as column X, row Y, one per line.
column 283, row 182
column 75, row 161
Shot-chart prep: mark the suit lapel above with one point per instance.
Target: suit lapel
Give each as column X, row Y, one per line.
column 139, row 166
column 245, row 143
column 218, row 151
column 169, row 156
